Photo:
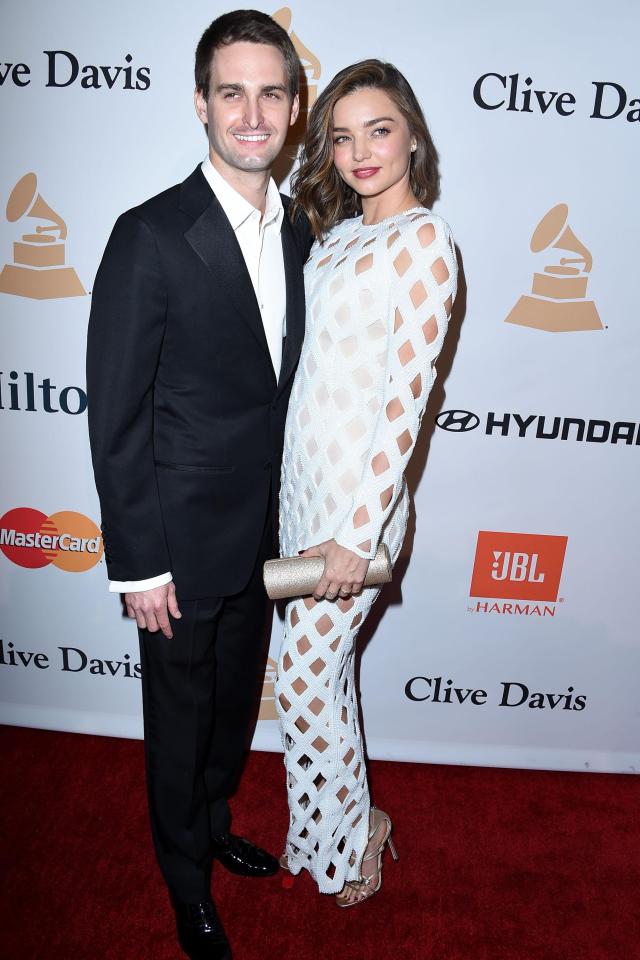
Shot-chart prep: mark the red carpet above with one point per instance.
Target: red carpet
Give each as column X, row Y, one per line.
column 494, row 864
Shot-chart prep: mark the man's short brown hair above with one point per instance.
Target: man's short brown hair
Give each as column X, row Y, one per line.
column 250, row 26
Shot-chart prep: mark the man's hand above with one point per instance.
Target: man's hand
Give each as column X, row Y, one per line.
column 151, row 608
column 344, row 571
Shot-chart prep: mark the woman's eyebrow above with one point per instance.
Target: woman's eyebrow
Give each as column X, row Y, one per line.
column 367, row 123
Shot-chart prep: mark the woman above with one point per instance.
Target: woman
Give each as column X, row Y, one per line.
column 379, row 288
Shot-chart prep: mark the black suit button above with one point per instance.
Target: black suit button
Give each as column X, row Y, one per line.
column 274, row 406
column 267, row 465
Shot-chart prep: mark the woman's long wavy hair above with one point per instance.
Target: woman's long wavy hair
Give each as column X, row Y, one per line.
column 317, row 188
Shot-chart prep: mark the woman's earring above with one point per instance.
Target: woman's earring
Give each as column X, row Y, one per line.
column 414, row 147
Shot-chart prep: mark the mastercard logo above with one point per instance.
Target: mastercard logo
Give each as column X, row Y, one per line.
column 68, row 540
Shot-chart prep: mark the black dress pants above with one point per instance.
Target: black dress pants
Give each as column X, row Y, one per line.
column 200, row 694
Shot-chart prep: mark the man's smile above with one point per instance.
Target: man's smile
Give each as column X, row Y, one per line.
column 252, row 137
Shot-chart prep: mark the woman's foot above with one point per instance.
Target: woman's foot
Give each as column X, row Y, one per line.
column 355, row 891
column 349, row 894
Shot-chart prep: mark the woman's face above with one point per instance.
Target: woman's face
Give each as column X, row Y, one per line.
column 371, row 142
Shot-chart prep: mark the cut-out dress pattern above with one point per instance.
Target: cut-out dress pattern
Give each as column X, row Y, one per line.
column 379, row 298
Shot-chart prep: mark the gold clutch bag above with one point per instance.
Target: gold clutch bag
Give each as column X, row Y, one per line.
column 298, row 576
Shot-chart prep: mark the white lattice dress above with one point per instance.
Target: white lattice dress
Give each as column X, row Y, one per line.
column 378, row 301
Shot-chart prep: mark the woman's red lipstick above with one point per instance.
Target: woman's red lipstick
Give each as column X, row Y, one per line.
column 362, row 172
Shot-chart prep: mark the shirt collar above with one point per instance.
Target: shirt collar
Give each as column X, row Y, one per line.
column 236, row 208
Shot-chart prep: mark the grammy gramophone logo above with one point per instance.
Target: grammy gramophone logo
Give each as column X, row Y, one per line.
column 38, row 269
column 310, row 64
column 558, row 299
column 268, row 709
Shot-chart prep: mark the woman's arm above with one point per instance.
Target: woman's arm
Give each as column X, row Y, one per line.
column 423, row 280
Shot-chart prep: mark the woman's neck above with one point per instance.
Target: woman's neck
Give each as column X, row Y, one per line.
column 394, row 200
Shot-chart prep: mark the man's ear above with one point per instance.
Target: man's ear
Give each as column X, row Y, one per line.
column 200, row 105
column 295, row 110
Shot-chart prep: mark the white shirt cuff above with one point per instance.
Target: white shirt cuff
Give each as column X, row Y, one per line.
column 135, row 586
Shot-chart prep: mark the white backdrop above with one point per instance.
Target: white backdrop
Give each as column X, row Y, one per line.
column 539, row 672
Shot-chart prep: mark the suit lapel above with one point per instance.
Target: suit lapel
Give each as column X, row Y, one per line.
column 212, row 238
column 295, row 302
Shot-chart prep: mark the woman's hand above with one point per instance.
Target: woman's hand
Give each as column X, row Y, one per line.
column 344, row 571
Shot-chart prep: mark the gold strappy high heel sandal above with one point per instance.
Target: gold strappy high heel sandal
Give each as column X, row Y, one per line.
column 363, row 888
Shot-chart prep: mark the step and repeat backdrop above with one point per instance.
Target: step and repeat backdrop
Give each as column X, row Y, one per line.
column 510, row 634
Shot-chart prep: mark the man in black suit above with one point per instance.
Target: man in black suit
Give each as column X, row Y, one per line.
column 195, row 332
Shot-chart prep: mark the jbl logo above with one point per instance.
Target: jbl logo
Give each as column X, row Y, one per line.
column 518, row 566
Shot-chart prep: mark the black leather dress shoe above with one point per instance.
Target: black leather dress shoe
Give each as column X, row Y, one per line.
column 243, row 857
column 200, row 932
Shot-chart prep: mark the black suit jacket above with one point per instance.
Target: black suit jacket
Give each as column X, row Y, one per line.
column 186, row 419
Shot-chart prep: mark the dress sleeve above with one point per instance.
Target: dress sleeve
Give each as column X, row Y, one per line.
column 422, row 283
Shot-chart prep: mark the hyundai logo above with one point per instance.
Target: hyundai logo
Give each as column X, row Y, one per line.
column 457, row 421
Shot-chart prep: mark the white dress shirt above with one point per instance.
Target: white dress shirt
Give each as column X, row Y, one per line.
column 259, row 237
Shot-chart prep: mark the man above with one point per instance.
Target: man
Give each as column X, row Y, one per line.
column 195, row 332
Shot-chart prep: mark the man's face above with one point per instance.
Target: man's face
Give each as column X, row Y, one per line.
column 248, row 111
